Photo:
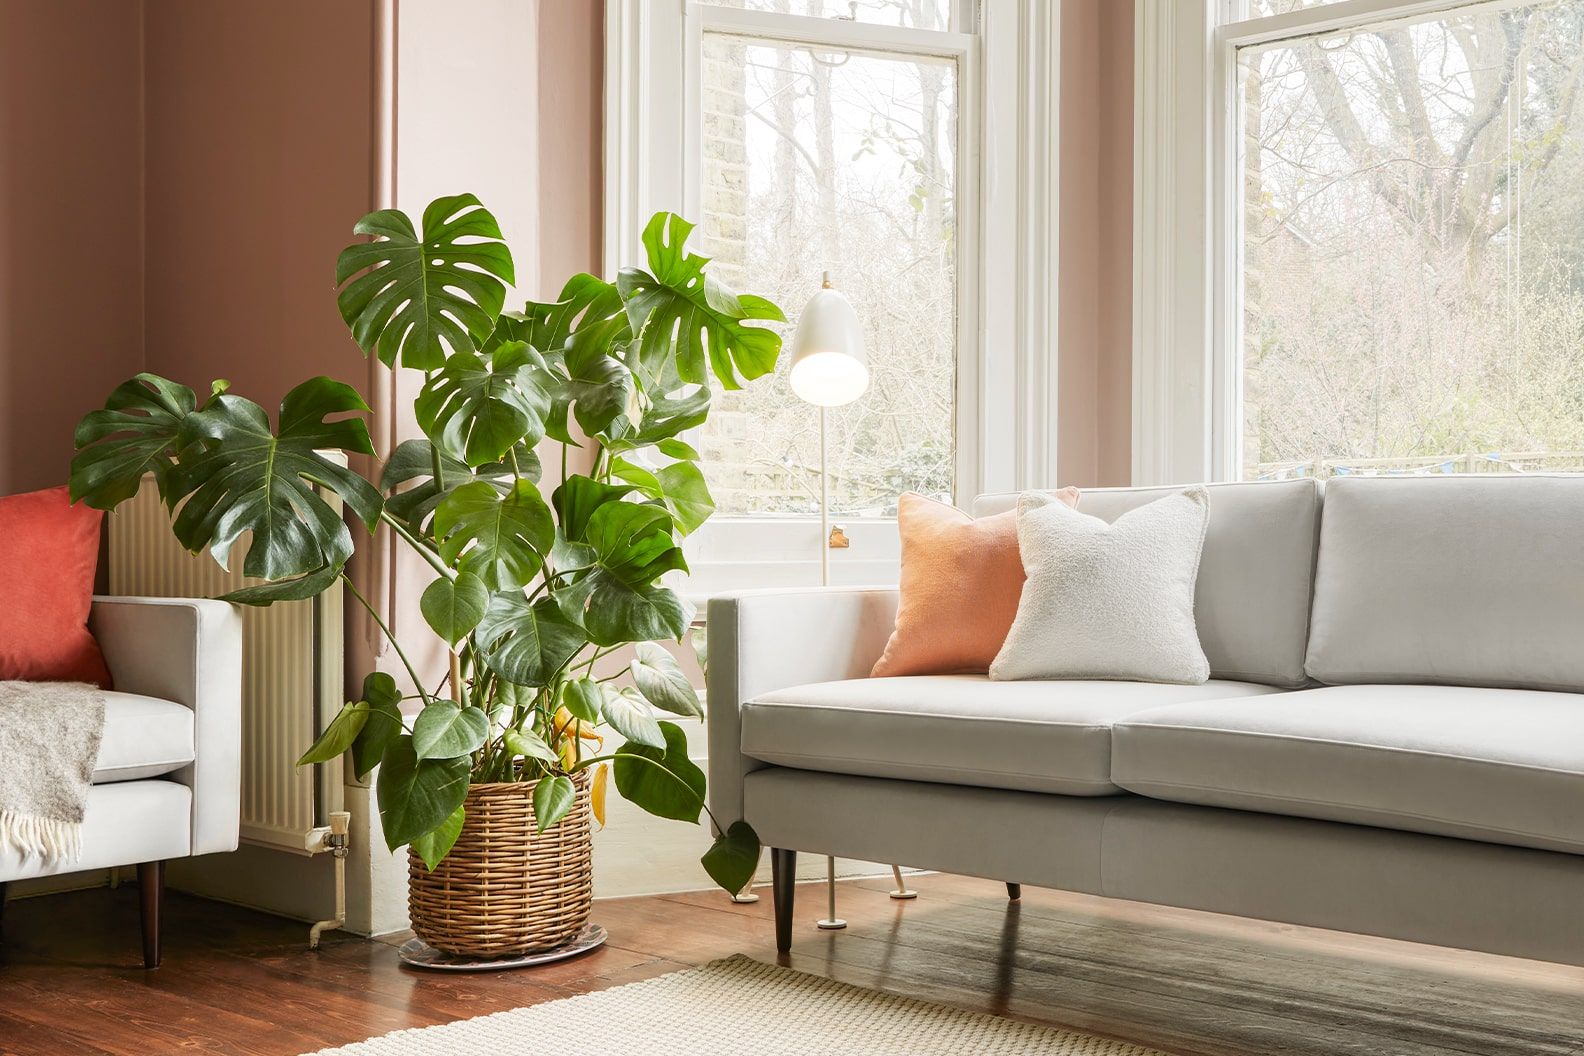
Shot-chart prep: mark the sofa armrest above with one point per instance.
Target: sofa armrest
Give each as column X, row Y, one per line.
column 189, row 651
column 768, row 640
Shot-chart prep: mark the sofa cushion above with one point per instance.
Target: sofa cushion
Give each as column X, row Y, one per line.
column 1499, row 765
column 959, row 729
column 1251, row 601
column 1474, row 580
column 143, row 737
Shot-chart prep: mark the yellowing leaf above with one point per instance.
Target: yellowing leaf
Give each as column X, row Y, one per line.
column 597, row 793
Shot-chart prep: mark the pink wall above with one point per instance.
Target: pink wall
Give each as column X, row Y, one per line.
column 71, row 223
column 1094, row 321
column 572, row 121
column 259, row 139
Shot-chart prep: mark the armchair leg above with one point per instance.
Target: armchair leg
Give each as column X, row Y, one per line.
column 1015, row 892
column 783, row 878
column 151, row 897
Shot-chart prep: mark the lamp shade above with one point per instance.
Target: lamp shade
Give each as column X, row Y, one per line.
column 829, row 365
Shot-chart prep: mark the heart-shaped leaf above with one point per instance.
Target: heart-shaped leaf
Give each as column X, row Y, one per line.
column 244, row 478
column 136, row 433
column 576, row 500
column 445, row 730
column 434, row 845
column 526, row 643
column 384, row 723
column 553, row 799
column 631, row 716
column 734, row 857
column 529, row 745
column 660, row 679
column 663, row 781
column 479, row 407
column 416, row 796
column 418, row 298
column 499, row 538
column 615, row 598
column 339, row 735
column 453, row 607
column 679, row 487
column 679, row 312
column 582, row 698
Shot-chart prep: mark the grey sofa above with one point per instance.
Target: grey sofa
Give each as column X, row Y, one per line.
column 167, row 781
column 1391, row 743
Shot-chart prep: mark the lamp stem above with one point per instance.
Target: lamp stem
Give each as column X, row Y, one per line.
column 824, row 539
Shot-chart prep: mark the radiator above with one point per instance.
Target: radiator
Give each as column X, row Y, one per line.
column 291, row 669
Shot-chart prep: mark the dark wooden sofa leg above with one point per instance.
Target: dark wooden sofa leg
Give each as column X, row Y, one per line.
column 783, row 878
column 1015, row 892
column 2, row 909
column 151, row 896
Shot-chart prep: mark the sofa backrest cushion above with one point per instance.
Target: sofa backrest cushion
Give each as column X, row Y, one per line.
column 1256, row 575
column 1472, row 580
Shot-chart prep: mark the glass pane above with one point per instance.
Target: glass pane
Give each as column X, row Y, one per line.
column 919, row 14
column 846, row 163
column 1261, row 8
column 1413, row 247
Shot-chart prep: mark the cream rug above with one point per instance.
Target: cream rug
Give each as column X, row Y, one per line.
column 739, row 1006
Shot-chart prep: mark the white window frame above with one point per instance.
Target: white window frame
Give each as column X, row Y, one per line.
column 1007, row 53
column 1188, row 216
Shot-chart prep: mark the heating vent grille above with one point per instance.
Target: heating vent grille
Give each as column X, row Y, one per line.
column 291, row 662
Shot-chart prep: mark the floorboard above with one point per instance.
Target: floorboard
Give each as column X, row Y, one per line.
column 236, row 981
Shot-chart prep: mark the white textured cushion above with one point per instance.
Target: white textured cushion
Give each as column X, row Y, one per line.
column 143, row 737
column 1500, row 765
column 959, row 729
column 1251, row 603
column 1108, row 601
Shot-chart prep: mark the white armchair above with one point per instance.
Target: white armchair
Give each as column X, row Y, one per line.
column 167, row 782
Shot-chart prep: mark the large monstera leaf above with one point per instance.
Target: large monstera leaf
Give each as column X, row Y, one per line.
column 501, row 539
column 244, row 478
column 419, row 296
column 412, row 464
column 615, row 598
column 136, row 433
column 678, row 311
column 478, row 407
column 587, row 305
column 526, row 642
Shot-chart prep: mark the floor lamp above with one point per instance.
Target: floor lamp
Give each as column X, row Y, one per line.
column 831, row 369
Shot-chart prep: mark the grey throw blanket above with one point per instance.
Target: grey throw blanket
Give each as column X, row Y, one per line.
column 49, row 741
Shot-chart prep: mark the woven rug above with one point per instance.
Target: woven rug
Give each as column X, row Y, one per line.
column 739, row 1006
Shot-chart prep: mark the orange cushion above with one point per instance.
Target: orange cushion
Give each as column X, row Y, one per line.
column 49, row 550
column 961, row 580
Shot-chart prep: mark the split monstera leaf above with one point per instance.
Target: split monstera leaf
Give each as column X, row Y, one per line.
column 535, row 597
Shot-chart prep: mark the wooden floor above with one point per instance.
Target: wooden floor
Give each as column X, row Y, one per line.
column 236, row 981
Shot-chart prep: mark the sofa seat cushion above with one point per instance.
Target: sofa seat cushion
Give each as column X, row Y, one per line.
column 959, row 729
column 143, row 737
column 1498, row 765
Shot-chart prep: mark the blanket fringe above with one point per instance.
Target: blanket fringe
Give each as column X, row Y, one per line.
column 53, row 840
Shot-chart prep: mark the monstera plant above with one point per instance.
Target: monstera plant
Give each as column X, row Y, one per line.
column 531, row 592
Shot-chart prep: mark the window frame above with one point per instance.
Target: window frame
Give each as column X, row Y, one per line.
column 1007, row 55
column 1188, row 220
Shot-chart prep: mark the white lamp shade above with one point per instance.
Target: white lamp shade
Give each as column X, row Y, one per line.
column 829, row 365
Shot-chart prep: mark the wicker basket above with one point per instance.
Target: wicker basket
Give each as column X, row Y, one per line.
column 505, row 890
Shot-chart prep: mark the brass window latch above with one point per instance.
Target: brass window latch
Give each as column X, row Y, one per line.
column 838, row 539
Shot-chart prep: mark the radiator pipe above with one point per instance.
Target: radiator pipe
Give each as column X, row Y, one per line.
column 336, row 842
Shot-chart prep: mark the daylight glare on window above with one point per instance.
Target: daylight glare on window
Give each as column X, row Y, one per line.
column 1413, row 246
column 845, row 162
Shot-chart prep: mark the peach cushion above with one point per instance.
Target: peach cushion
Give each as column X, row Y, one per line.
column 961, row 580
